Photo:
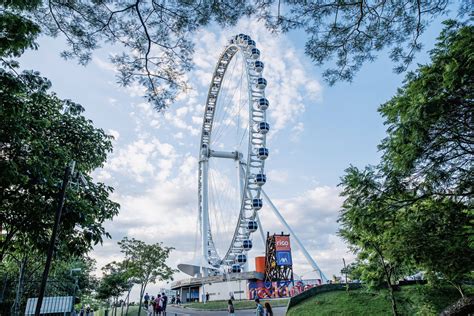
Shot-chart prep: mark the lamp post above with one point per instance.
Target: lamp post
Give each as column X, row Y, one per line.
column 76, row 285
column 67, row 175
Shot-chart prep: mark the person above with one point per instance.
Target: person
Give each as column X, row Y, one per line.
column 158, row 305
column 259, row 309
column 173, row 299
column 92, row 312
column 164, row 298
column 178, row 300
column 207, row 297
column 230, row 308
column 153, row 304
column 268, row 309
column 146, row 298
column 88, row 310
column 150, row 310
column 81, row 313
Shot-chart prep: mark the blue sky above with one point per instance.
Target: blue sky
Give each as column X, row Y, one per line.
column 317, row 132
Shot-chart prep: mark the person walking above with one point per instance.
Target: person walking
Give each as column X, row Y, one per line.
column 146, row 299
column 259, row 309
column 150, row 310
column 268, row 309
column 164, row 298
column 230, row 308
column 158, row 305
column 153, row 304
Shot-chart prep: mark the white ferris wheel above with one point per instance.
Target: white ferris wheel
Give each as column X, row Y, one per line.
column 232, row 159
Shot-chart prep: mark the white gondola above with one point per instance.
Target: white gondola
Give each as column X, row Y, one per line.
column 241, row 258
column 262, row 153
column 260, row 179
column 257, row 204
column 263, row 104
column 261, row 83
column 236, row 268
column 255, row 53
column 247, row 244
column 263, row 127
column 250, row 44
column 258, row 66
column 252, row 226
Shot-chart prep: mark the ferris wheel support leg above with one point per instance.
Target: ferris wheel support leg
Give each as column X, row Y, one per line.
column 205, row 215
column 260, row 228
column 300, row 244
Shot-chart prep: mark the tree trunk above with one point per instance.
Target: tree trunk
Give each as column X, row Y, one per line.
column 127, row 300
column 389, row 283
column 142, row 291
column 459, row 288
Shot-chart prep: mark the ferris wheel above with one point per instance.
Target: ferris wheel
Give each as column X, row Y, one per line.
column 234, row 128
column 234, row 131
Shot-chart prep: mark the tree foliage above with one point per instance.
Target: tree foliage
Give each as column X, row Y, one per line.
column 113, row 283
column 146, row 262
column 415, row 207
column 157, row 37
column 40, row 135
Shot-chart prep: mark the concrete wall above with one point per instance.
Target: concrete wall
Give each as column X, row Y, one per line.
column 220, row 291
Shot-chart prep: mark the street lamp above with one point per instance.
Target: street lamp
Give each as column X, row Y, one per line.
column 76, row 286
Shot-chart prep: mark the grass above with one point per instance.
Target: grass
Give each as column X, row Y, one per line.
column 222, row 305
column 132, row 311
column 411, row 300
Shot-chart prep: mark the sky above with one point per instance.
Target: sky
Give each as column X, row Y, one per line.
column 317, row 131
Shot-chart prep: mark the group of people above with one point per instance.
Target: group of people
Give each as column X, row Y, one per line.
column 85, row 311
column 259, row 311
column 156, row 306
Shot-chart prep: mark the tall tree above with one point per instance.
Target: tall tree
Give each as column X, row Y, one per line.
column 146, row 262
column 158, row 37
column 113, row 284
column 417, row 203
column 369, row 226
column 40, row 135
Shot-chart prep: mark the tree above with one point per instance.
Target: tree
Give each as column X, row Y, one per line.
column 40, row 135
column 369, row 226
column 429, row 146
column 113, row 283
column 157, row 37
column 146, row 263
column 414, row 207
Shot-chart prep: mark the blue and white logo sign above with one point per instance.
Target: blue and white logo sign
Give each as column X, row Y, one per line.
column 283, row 258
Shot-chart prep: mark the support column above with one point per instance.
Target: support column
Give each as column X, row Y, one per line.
column 204, row 214
column 300, row 244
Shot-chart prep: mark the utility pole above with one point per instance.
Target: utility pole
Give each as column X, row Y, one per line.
column 67, row 174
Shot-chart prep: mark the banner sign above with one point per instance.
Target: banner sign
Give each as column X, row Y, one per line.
column 261, row 289
column 283, row 258
column 282, row 243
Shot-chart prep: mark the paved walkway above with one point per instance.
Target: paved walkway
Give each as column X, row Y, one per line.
column 179, row 311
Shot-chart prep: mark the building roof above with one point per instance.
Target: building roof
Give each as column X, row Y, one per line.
column 216, row 279
column 50, row 305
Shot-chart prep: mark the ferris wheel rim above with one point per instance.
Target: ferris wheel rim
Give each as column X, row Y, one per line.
column 240, row 44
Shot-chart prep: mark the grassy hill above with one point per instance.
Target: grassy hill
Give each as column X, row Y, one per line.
column 412, row 300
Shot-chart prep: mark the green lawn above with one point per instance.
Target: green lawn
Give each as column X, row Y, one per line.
column 411, row 300
column 132, row 311
column 222, row 305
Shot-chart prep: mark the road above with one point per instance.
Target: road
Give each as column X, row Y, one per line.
column 179, row 311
